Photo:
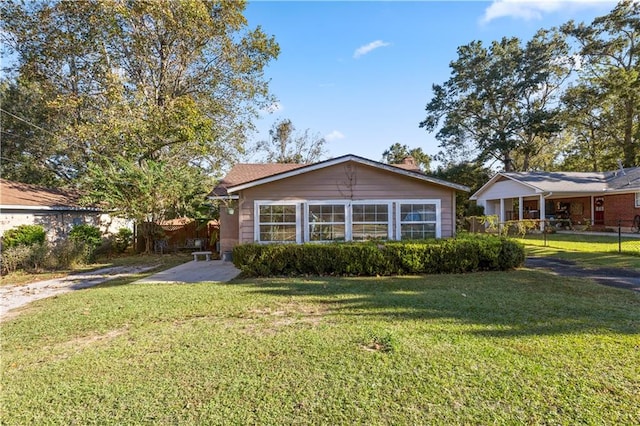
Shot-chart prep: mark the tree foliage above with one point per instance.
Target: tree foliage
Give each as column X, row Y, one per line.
column 473, row 175
column 604, row 107
column 398, row 152
column 285, row 145
column 135, row 84
column 501, row 100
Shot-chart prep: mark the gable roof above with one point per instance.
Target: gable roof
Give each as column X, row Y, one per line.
column 247, row 172
column 243, row 176
column 571, row 182
column 18, row 195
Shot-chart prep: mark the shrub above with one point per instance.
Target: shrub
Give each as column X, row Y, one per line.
column 122, row 240
column 90, row 237
column 465, row 254
column 88, row 234
column 14, row 258
column 25, row 257
column 26, row 235
column 70, row 252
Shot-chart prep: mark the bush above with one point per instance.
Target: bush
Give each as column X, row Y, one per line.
column 90, row 237
column 25, row 257
column 26, row 235
column 122, row 240
column 465, row 254
column 88, row 234
column 70, row 252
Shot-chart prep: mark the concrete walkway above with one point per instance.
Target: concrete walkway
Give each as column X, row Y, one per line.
column 195, row 272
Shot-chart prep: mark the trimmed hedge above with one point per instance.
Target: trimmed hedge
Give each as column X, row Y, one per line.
column 463, row 254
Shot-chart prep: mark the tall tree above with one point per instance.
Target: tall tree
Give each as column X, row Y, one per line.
column 285, row 145
column 152, row 79
column 26, row 125
column 469, row 174
column 134, row 83
column 590, row 135
column 607, row 99
column 398, row 152
column 501, row 100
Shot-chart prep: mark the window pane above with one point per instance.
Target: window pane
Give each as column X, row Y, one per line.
column 327, row 232
column 417, row 231
column 326, row 213
column 277, row 214
column 362, row 232
column 418, row 212
column 273, row 233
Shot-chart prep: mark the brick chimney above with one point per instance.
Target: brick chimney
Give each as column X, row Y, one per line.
column 410, row 161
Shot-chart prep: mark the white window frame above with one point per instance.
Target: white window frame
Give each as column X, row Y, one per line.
column 399, row 203
column 256, row 219
column 389, row 205
column 638, row 199
column 347, row 218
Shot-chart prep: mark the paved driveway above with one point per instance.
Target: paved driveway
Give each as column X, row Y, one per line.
column 614, row 277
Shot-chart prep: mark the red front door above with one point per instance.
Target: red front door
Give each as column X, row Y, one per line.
column 598, row 218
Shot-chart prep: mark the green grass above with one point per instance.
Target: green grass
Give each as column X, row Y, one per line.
column 485, row 348
column 587, row 250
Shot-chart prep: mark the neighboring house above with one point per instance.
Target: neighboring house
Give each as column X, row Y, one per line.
column 56, row 210
column 348, row 198
column 600, row 199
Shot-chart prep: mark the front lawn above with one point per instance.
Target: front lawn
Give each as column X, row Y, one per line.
column 484, row 348
column 586, row 250
column 585, row 243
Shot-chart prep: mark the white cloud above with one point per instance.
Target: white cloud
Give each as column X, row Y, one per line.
column 529, row 10
column 363, row 50
column 333, row 136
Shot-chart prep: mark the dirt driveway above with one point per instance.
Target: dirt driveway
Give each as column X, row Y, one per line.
column 614, row 277
column 15, row 296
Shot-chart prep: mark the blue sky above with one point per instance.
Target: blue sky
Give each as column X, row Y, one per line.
column 360, row 73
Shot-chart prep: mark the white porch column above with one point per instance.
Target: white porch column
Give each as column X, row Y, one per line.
column 501, row 215
column 520, row 208
column 543, row 213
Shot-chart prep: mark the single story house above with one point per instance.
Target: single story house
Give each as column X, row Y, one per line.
column 55, row 209
column 348, row 198
column 599, row 199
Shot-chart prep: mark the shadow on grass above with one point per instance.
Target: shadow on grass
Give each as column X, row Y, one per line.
column 502, row 304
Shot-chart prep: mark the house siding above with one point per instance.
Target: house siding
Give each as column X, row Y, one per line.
column 348, row 181
column 228, row 229
column 620, row 207
column 58, row 223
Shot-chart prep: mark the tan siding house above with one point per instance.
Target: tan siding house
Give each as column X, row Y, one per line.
column 348, row 198
column 55, row 209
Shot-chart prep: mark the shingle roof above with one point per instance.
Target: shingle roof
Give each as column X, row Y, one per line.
column 23, row 194
column 572, row 182
column 247, row 172
column 580, row 181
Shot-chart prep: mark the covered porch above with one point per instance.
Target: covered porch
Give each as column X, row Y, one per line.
column 569, row 209
column 509, row 199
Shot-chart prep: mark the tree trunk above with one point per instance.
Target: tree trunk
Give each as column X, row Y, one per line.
column 629, row 148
